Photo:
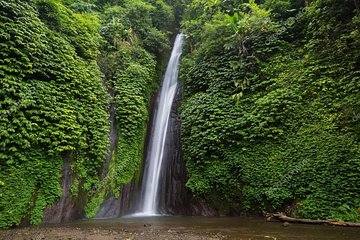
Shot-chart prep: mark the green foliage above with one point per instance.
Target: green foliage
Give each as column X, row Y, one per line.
column 139, row 20
column 53, row 106
column 131, row 98
column 279, row 8
column 162, row 16
column 83, row 6
column 269, row 119
column 64, row 64
column 135, row 32
column 79, row 29
column 93, row 206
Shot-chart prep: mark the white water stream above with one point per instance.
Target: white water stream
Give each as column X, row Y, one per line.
column 155, row 156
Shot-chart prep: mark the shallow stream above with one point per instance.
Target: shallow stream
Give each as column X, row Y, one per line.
column 180, row 228
column 229, row 227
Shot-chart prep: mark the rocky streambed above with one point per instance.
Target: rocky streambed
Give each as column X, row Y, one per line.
column 69, row 233
column 187, row 228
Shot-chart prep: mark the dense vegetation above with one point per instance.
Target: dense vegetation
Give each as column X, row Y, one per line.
column 64, row 63
column 270, row 117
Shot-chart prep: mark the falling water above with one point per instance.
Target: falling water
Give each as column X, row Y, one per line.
column 155, row 157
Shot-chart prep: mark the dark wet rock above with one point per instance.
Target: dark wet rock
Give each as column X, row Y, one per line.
column 174, row 198
column 109, row 208
column 65, row 209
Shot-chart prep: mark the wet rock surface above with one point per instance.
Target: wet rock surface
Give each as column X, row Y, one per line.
column 174, row 198
column 65, row 209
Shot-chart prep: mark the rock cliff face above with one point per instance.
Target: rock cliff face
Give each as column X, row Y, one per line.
column 65, row 209
column 128, row 200
column 172, row 193
column 174, row 197
column 68, row 208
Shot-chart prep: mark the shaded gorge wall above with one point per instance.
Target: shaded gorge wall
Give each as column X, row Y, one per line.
column 174, row 198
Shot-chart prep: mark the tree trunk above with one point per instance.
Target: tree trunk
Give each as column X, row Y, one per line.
column 284, row 218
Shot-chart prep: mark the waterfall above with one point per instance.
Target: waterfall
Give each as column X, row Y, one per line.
column 155, row 156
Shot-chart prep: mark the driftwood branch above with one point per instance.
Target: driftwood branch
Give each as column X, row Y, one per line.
column 284, row 218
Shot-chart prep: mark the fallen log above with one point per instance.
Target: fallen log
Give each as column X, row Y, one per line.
column 284, row 218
